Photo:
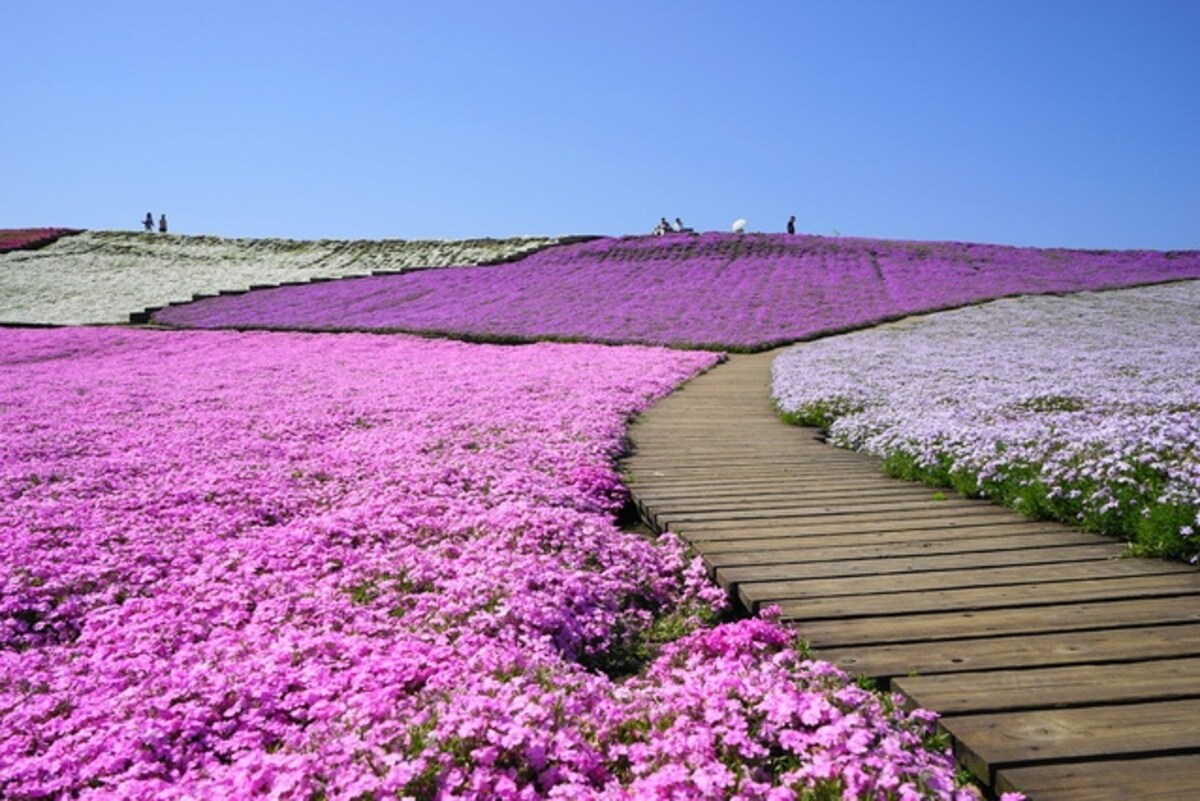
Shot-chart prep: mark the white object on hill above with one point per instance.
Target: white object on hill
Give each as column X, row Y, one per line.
column 739, row 225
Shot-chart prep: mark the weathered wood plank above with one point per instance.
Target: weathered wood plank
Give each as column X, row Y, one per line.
column 985, row 743
column 751, row 464
column 926, row 628
column 1032, row 575
column 840, row 524
column 971, row 598
column 789, row 508
column 1052, row 687
column 724, row 472
column 713, row 499
column 790, row 511
column 787, row 573
column 650, row 493
column 989, row 529
column 1169, row 778
column 812, row 553
column 1062, row 648
column 751, row 460
column 846, row 524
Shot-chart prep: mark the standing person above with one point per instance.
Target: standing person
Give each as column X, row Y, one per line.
column 791, row 229
column 148, row 223
column 162, row 223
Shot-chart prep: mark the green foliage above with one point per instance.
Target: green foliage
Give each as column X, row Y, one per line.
column 399, row 584
column 867, row 683
column 826, row 790
column 1053, row 403
column 822, row 413
column 1151, row 528
column 630, row 652
column 363, row 593
column 1157, row 532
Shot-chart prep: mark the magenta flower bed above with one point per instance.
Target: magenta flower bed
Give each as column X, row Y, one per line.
column 297, row 566
column 26, row 238
column 713, row 290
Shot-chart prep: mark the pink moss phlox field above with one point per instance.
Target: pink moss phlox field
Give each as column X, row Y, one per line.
column 710, row 290
column 299, row 566
column 25, row 238
column 1084, row 408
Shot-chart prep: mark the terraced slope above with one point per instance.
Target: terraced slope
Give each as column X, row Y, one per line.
column 103, row 276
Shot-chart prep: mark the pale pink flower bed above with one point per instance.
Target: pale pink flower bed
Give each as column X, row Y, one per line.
column 353, row 566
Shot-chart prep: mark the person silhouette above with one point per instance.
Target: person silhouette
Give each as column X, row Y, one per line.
column 791, row 228
column 162, row 223
column 148, row 223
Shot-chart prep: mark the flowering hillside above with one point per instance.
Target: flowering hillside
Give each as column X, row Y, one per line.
column 348, row 567
column 104, row 276
column 712, row 290
column 30, row 238
column 1083, row 408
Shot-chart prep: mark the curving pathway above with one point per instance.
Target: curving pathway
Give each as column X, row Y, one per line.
column 1061, row 670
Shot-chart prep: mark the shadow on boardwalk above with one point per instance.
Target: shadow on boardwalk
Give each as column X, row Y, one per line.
column 1061, row 669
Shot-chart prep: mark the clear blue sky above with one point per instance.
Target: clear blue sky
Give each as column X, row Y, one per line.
column 1036, row 122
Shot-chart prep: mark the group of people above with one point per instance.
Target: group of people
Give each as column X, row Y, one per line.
column 148, row 223
column 665, row 227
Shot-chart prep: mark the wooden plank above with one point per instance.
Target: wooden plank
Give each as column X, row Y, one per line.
column 844, row 524
column 813, row 553
column 724, row 474
column 718, row 436
column 724, row 498
column 1062, row 648
column 768, row 591
column 720, row 473
column 1000, row 622
column 720, row 497
column 974, row 598
column 753, row 460
column 1075, row 685
column 985, row 743
column 649, row 491
column 678, row 520
column 714, row 437
column 751, row 456
column 990, row 529
column 641, row 479
column 1168, row 778
column 896, row 567
column 787, row 506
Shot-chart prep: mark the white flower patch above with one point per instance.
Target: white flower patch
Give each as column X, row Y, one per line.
column 103, row 276
column 1095, row 396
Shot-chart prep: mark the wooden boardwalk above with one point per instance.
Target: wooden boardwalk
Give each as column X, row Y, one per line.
column 1061, row 669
